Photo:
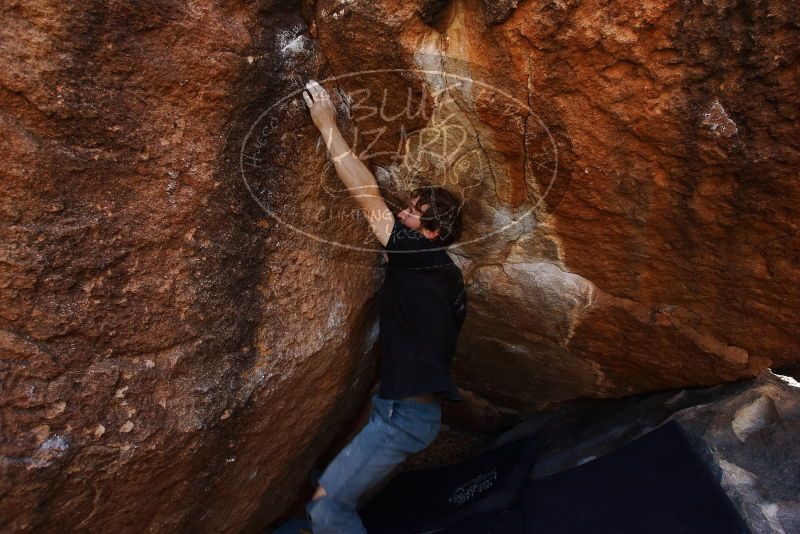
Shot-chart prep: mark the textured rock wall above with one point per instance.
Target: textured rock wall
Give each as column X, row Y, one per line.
column 175, row 358
column 649, row 171
column 665, row 252
column 165, row 365
column 680, row 129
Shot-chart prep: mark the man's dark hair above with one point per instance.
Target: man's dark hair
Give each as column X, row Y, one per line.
column 443, row 213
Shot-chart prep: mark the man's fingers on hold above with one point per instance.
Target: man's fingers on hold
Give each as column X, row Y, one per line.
column 321, row 92
column 313, row 88
column 307, row 99
column 310, row 90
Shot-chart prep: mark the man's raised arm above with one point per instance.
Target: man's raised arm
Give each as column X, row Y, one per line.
column 354, row 174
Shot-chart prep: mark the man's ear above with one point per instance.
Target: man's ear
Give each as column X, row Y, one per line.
column 430, row 234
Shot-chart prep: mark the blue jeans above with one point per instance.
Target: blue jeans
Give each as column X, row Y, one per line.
column 395, row 429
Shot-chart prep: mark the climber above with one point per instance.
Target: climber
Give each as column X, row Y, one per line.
column 423, row 305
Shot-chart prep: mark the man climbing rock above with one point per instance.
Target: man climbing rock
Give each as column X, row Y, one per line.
column 423, row 305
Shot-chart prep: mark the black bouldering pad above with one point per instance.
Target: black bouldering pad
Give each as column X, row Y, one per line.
column 429, row 499
column 656, row 484
column 504, row 522
column 293, row 526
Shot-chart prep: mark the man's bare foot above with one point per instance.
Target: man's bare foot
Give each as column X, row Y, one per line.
column 320, row 493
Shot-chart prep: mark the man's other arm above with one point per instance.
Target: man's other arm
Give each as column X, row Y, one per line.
column 356, row 177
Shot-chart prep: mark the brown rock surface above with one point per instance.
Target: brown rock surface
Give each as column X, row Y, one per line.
column 166, row 364
column 634, row 223
column 176, row 358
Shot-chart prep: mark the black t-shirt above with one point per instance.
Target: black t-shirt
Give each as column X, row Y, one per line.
column 423, row 305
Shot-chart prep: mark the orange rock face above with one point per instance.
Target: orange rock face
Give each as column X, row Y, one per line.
column 189, row 310
column 633, row 223
column 674, row 245
column 172, row 357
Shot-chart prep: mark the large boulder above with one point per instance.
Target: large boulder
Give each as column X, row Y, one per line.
column 628, row 172
column 669, row 258
column 172, row 358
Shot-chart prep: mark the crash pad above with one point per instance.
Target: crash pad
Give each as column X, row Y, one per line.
column 430, row 499
column 655, row 484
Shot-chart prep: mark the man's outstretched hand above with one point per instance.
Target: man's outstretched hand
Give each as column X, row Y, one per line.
column 320, row 105
column 358, row 179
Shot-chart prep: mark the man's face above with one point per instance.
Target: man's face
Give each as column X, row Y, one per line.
column 410, row 217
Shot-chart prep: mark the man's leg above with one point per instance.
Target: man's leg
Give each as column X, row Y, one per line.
column 392, row 433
